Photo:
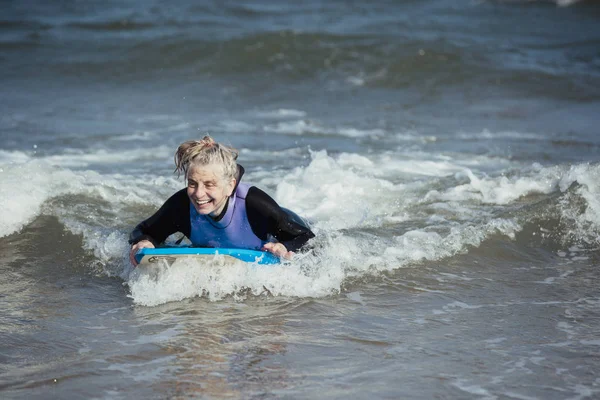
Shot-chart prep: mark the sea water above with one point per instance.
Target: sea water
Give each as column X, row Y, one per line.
column 445, row 153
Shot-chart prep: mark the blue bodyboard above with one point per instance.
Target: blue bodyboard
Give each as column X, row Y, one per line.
column 171, row 254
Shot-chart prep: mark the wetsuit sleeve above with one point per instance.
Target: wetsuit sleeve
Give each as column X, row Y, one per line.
column 172, row 217
column 266, row 218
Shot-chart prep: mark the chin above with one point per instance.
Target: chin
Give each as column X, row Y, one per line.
column 204, row 211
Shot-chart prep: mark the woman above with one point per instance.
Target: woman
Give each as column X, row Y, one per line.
column 216, row 210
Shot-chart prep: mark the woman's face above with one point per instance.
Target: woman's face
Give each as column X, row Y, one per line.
column 207, row 189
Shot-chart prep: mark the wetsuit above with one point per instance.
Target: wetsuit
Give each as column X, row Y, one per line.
column 248, row 207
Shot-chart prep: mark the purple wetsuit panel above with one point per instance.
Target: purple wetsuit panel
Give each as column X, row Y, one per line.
column 233, row 230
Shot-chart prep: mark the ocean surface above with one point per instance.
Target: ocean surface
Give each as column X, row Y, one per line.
column 446, row 154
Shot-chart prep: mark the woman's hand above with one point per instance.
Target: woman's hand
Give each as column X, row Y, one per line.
column 279, row 250
column 139, row 245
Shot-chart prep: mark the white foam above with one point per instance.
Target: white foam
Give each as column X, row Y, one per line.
column 495, row 340
column 304, row 126
column 297, row 127
column 27, row 187
column 362, row 78
column 359, row 133
column 587, row 223
column 356, row 297
column 187, row 278
column 552, row 279
column 459, row 305
column 566, row 3
column 260, row 155
column 282, row 113
column 236, row 126
column 472, row 389
column 498, row 190
column 82, row 159
column 413, row 136
column 344, row 196
column 316, row 274
column 136, row 137
column 419, row 245
column 332, row 195
column 454, row 277
column 13, row 157
column 415, row 167
column 356, row 80
column 489, row 135
column 110, row 247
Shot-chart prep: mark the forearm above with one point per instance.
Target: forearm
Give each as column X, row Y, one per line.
column 298, row 242
column 138, row 234
column 267, row 218
column 172, row 217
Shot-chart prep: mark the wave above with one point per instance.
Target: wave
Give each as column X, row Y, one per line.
column 389, row 183
column 134, row 46
column 116, row 25
column 370, row 213
column 360, row 60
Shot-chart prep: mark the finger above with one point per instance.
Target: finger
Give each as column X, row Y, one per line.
column 272, row 248
column 268, row 246
column 132, row 253
column 132, row 259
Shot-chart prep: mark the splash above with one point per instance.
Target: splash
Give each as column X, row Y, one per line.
column 217, row 279
column 370, row 213
column 500, row 190
column 580, row 206
column 26, row 187
column 338, row 194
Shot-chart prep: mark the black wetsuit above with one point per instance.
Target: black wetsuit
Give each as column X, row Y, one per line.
column 265, row 216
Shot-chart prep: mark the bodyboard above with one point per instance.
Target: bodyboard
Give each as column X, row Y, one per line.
column 202, row 254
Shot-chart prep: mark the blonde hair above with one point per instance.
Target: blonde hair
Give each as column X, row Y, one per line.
column 204, row 152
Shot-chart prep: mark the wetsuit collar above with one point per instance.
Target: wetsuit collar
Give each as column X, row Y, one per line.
column 238, row 176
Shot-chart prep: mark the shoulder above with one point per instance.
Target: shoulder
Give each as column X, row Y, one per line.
column 256, row 197
column 264, row 214
column 179, row 197
column 177, row 202
column 253, row 196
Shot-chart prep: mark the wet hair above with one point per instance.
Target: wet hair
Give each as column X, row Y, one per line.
column 205, row 152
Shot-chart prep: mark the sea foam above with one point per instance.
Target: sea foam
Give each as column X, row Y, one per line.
column 426, row 209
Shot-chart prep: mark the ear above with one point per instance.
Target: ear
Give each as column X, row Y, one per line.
column 231, row 186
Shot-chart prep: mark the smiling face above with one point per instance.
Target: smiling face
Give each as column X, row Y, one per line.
column 207, row 188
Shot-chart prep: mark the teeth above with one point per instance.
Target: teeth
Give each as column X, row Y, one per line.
column 202, row 202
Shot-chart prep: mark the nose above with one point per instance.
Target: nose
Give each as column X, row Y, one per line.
column 199, row 190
